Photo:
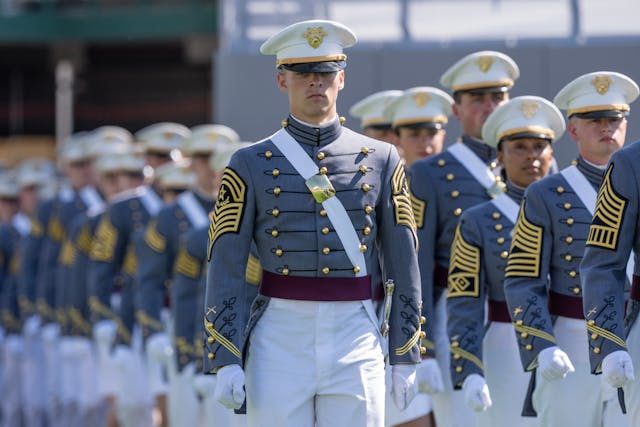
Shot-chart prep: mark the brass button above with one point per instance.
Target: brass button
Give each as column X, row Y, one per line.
column 320, row 155
column 325, row 230
column 323, row 212
column 284, row 123
column 362, row 169
column 423, row 350
column 268, row 154
column 326, row 251
column 455, row 344
column 363, row 248
column 325, row 270
column 500, row 240
column 366, row 231
column 211, row 356
column 323, row 170
column 276, row 191
column 342, row 120
column 504, row 254
column 275, row 172
column 495, row 215
column 285, row 271
column 450, row 177
column 528, row 347
column 364, row 150
column 498, row 227
column 209, row 325
column 211, row 340
column 455, row 194
column 596, row 350
column 456, row 356
column 423, row 334
column 524, row 335
column 458, row 369
column 493, row 165
column 274, row 232
column 279, row 252
column 356, row 269
column 560, row 189
column 275, row 212
column 576, row 290
column 594, row 336
column 457, row 212
column 568, row 257
column 567, row 206
column 591, row 322
column 569, row 221
column 573, row 273
column 365, row 187
column 518, row 322
column 569, row 239
column 574, row 162
column 368, row 209
column 422, row 320
column 441, row 162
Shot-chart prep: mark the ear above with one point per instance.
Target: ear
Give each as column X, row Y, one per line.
column 572, row 131
column 341, row 79
column 500, row 157
column 282, row 82
column 455, row 110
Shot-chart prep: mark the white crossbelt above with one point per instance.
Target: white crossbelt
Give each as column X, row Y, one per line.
column 472, row 163
column 193, row 209
column 151, row 201
column 588, row 196
column 336, row 212
column 22, row 223
column 91, row 198
column 507, row 206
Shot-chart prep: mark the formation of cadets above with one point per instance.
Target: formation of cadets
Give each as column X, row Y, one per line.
column 529, row 289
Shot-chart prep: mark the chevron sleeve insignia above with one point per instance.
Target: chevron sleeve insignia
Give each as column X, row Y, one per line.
column 464, row 268
column 607, row 219
column 227, row 214
column 402, row 202
column 526, row 248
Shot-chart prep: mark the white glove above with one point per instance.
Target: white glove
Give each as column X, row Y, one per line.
column 429, row 377
column 104, row 332
column 230, row 386
column 50, row 332
column 554, row 363
column 31, row 326
column 403, row 385
column 476, row 393
column 205, row 385
column 617, row 368
column 159, row 347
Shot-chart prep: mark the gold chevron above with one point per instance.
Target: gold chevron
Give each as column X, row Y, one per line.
column 104, row 245
column 54, row 229
column 418, row 206
column 186, row 264
column 604, row 230
column 130, row 263
column 37, row 230
column 464, row 268
column 67, row 254
column 227, row 213
column 83, row 241
column 253, row 275
column 154, row 239
column 524, row 259
column 402, row 202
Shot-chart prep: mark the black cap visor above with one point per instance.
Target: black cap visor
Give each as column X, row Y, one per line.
column 315, row 67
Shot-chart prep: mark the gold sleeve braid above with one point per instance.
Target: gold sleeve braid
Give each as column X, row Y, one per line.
column 104, row 244
column 37, row 230
column 607, row 219
column 464, row 268
column 83, row 241
column 456, row 350
column 418, row 206
column 402, row 202
column 217, row 336
column 54, row 229
column 227, row 213
column 130, row 263
column 186, row 264
column 526, row 248
column 67, row 253
column 253, row 274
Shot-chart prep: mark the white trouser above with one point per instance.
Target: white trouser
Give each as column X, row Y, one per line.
column 316, row 363
column 51, row 348
column 578, row 399
column 419, row 406
column 505, row 377
column 182, row 396
column 133, row 400
column 10, row 404
column 33, row 371
column 449, row 407
column 632, row 390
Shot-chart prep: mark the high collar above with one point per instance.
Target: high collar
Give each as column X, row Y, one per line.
column 312, row 135
column 515, row 192
column 593, row 174
column 482, row 150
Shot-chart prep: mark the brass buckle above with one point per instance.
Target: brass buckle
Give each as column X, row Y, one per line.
column 320, row 187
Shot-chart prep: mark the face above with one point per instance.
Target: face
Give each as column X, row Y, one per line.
column 129, row 180
column 29, row 199
column 108, row 184
column 8, row 209
column 472, row 110
column 525, row 160
column 312, row 96
column 598, row 139
column 204, row 174
column 418, row 143
column 80, row 174
column 154, row 159
column 386, row 135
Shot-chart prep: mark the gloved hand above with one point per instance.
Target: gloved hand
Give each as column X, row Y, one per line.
column 230, row 386
column 554, row 363
column 31, row 326
column 617, row 368
column 159, row 347
column 205, row 385
column 403, row 385
column 104, row 332
column 476, row 393
column 429, row 377
column 50, row 332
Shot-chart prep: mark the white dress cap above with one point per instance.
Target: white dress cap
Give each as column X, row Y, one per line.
column 485, row 71
column 521, row 117
column 35, row 171
column 163, row 137
column 175, row 175
column 421, row 106
column 599, row 94
column 205, row 138
column 371, row 109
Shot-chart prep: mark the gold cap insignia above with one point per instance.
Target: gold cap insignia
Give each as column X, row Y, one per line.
column 212, row 136
column 484, row 63
column 529, row 109
column 314, row 36
column 421, row 99
column 602, row 83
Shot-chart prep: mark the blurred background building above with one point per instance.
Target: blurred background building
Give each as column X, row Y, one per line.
column 71, row 65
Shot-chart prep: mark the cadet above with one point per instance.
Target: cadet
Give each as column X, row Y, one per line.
column 373, row 120
column 523, row 130
column 113, row 262
column 315, row 350
column 542, row 281
column 614, row 233
column 445, row 185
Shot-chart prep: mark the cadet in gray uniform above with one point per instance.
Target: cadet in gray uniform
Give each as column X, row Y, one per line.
column 314, row 351
column 542, row 283
column 444, row 186
column 485, row 361
column 373, row 120
column 614, row 233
